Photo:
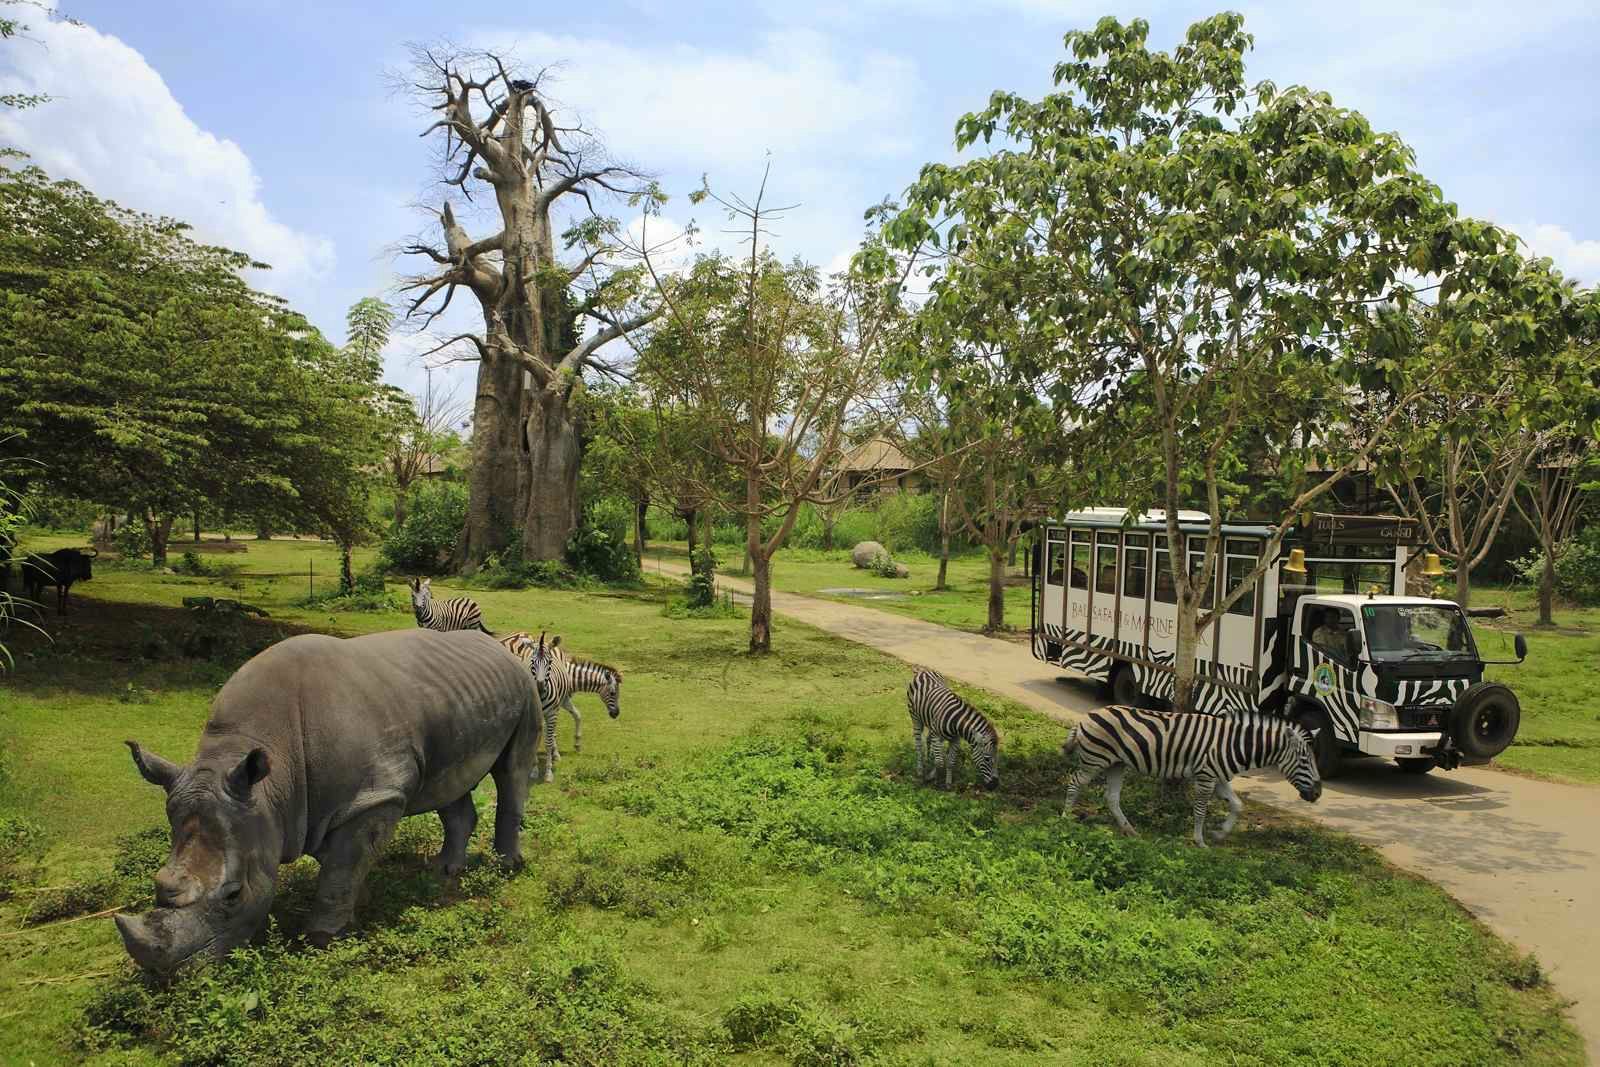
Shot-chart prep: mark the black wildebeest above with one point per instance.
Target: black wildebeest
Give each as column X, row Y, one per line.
column 59, row 568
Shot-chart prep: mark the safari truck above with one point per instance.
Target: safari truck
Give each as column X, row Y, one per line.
column 1328, row 636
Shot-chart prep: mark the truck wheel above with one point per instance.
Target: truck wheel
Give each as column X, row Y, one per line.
column 1324, row 746
column 1416, row 766
column 1486, row 720
column 1125, row 687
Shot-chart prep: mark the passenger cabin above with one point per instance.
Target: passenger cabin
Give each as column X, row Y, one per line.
column 1105, row 603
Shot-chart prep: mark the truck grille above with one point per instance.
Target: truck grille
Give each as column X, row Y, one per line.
column 1432, row 717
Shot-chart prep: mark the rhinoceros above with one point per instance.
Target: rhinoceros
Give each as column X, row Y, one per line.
column 318, row 746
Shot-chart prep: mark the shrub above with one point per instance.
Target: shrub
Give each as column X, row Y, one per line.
column 1577, row 567
column 424, row 543
column 132, row 541
column 907, row 521
column 508, row 570
column 599, row 548
column 884, row 566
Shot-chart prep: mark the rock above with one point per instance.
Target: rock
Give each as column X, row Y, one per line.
column 902, row 571
column 864, row 553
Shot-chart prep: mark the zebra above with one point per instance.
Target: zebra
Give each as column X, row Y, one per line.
column 569, row 675
column 1210, row 749
column 948, row 720
column 457, row 613
column 540, row 662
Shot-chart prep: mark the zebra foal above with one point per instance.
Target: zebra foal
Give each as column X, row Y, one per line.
column 457, row 613
column 1209, row 749
column 947, row 720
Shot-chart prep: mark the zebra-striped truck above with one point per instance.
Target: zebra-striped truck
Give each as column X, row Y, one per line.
column 1327, row 638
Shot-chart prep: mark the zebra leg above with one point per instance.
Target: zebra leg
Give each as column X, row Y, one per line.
column 952, row 756
column 551, row 754
column 1235, row 806
column 1204, row 786
column 935, row 757
column 577, row 723
column 916, row 746
column 1081, row 777
column 1114, row 799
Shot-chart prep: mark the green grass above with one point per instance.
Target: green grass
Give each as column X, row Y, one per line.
column 963, row 604
column 737, row 870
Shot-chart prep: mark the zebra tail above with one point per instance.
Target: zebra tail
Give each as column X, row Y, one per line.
column 484, row 628
column 1072, row 744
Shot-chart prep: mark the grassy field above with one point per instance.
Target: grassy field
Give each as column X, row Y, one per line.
column 964, row 604
column 737, row 870
column 1558, row 685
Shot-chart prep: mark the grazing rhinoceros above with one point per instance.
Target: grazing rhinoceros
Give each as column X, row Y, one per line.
column 318, row 747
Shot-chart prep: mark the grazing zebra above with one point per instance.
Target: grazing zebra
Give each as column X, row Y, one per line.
column 948, row 720
column 569, row 675
column 537, row 656
column 457, row 613
column 1210, row 749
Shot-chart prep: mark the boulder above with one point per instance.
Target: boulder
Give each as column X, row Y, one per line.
column 902, row 571
column 864, row 553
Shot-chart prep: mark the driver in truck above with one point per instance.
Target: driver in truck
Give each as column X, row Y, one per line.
column 1329, row 634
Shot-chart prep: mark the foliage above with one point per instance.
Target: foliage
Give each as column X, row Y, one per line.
column 600, row 547
column 55, row 511
column 422, row 545
column 1577, row 562
column 369, row 593
column 883, row 565
column 508, row 570
column 131, row 540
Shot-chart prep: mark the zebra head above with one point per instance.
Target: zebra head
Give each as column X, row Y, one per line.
column 986, row 755
column 421, row 595
column 612, row 693
column 1298, row 762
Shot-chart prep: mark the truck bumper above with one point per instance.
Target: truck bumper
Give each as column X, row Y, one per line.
column 1402, row 746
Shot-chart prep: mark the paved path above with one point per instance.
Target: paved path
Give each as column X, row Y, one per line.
column 1521, row 854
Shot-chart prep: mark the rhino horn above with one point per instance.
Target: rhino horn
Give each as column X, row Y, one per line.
column 141, row 942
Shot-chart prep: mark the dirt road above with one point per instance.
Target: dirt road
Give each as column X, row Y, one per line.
column 1522, row 855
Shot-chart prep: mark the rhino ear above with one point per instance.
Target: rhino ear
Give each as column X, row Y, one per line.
column 156, row 771
column 249, row 770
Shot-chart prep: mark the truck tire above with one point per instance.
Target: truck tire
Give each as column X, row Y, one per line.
column 1324, row 746
column 1125, row 687
column 1486, row 720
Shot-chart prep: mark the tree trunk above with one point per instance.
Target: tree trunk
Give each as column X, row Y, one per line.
column 347, row 577
column 828, row 519
column 401, row 504
column 197, row 526
column 944, row 540
column 1547, row 587
column 1183, row 665
column 159, row 529
column 997, row 589
column 497, row 450
column 640, row 506
column 690, row 519
column 263, row 530
column 761, row 601
column 1463, row 585
column 1011, row 560
column 550, row 513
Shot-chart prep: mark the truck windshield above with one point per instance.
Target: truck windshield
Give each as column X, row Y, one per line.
column 1406, row 631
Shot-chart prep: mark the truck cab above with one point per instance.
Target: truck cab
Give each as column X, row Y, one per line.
column 1397, row 677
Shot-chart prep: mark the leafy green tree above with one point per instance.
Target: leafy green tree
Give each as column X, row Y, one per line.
column 1194, row 262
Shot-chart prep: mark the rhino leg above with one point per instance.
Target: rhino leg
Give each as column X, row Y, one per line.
column 511, row 773
column 460, row 818
column 346, row 857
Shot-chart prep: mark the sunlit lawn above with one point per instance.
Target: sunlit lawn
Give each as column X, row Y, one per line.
column 736, row 870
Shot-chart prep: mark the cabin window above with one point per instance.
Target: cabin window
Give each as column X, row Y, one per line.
column 1133, row 572
column 1105, row 571
column 1056, row 563
column 1080, row 563
column 1197, row 563
column 1239, row 568
column 1166, row 592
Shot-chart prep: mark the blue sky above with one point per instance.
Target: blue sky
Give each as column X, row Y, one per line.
column 273, row 128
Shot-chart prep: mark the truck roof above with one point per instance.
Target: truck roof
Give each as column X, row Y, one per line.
column 1355, row 600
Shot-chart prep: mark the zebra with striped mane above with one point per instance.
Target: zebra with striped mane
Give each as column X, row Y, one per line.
column 457, row 613
column 1209, row 749
column 538, row 658
column 569, row 675
column 947, row 720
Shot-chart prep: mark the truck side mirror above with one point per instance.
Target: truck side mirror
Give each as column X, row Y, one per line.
column 1520, row 643
column 1352, row 645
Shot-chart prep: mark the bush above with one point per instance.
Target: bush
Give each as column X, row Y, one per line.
column 907, row 521
column 371, row 593
column 132, row 541
column 507, row 570
column 884, row 566
column 424, row 543
column 1577, row 567
column 51, row 511
column 599, row 548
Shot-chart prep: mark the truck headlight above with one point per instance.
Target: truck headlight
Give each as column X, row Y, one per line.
column 1378, row 714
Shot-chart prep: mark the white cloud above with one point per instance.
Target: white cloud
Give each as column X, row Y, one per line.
column 688, row 105
column 113, row 124
column 1577, row 257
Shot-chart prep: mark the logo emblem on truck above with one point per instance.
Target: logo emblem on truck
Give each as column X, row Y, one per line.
column 1322, row 679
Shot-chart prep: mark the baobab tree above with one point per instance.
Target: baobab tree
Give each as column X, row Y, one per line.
column 545, row 321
